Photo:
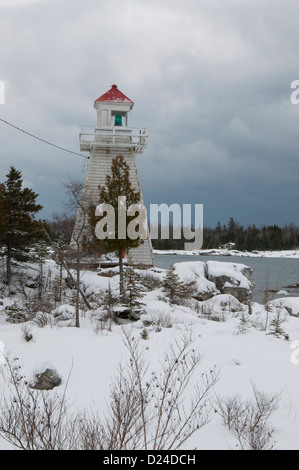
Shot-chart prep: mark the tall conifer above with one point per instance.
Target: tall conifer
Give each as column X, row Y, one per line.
column 118, row 184
column 18, row 227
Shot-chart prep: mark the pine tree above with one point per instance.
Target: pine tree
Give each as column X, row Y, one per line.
column 134, row 291
column 118, row 184
column 18, row 227
column 109, row 302
column 276, row 326
column 173, row 286
column 40, row 253
column 244, row 324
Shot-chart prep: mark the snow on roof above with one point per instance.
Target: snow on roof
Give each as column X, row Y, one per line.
column 114, row 94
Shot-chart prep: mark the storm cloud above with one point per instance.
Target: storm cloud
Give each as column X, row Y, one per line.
column 210, row 80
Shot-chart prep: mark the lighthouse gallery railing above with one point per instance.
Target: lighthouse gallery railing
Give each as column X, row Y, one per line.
column 133, row 137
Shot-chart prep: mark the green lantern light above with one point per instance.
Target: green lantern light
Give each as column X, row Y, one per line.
column 118, row 120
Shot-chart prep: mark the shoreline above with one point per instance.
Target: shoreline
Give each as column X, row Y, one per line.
column 229, row 253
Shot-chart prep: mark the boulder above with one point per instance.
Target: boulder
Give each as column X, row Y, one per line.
column 240, row 293
column 212, row 278
column 232, row 278
column 195, row 272
column 46, row 380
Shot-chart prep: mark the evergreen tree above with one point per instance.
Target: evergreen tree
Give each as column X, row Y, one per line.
column 118, row 184
column 109, row 302
column 276, row 326
column 18, row 227
column 231, row 226
column 40, row 253
column 134, row 291
column 244, row 324
column 173, row 286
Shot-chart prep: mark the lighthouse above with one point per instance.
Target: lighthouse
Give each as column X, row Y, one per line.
column 112, row 137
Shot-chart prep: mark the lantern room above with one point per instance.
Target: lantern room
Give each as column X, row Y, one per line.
column 112, row 129
column 113, row 108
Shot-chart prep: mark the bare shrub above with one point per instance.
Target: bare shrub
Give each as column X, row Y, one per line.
column 161, row 320
column 208, row 311
column 150, row 282
column 43, row 319
column 31, row 420
column 147, row 410
column 27, row 333
column 104, row 322
column 249, row 420
column 35, row 304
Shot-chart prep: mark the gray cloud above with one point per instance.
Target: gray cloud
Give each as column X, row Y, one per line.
column 211, row 81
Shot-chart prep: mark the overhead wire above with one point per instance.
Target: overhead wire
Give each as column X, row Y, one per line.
column 43, row 140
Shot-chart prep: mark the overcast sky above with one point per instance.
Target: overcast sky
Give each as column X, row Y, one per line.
column 209, row 78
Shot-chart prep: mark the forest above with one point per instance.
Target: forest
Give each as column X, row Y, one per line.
column 247, row 238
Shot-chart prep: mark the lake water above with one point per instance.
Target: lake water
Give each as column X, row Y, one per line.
column 276, row 273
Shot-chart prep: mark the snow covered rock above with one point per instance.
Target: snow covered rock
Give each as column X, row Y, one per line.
column 290, row 304
column 195, row 271
column 216, row 277
column 232, row 278
column 64, row 312
column 46, row 380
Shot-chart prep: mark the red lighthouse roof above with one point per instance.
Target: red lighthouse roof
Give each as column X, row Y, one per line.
column 115, row 95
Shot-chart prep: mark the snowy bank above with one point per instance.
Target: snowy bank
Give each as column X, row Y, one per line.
column 223, row 252
column 227, row 334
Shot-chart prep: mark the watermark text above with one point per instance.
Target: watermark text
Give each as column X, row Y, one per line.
column 114, row 225
column 295, row 95
column 295, row 354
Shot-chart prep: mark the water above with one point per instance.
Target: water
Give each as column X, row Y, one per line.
column 274, row 273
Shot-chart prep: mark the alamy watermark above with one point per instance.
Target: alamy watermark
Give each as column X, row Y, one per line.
column 295, row 354
column 138, row 227
column 2, row 92
column 295, row 95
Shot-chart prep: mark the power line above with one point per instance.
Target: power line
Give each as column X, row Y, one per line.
column 43, row 140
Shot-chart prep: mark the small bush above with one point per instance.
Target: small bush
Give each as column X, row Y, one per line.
column 144, row 334
column 243, row 326
column 162, row 320
column 27, row 333
column 249, row 420
column 276, row 326
column 16, row 313
column 104, row 322
column 43, row 319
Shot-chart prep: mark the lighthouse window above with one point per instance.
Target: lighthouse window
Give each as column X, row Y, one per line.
column 118, row 118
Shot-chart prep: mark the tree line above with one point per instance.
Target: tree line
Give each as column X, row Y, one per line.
column 252, row 237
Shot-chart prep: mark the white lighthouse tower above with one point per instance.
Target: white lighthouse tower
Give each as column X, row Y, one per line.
column 112, row 137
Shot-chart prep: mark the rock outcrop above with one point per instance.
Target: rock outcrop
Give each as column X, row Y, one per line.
column 46, row 380
column 217, row 277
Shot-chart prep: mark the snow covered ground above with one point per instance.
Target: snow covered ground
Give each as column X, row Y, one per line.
column 223, row 252
column 244, row 359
